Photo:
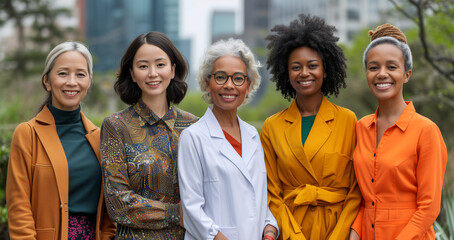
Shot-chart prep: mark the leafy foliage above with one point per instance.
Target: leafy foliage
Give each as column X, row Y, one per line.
column 445, row 231
column 5, row 139
column 433, row 18
column 34, row 41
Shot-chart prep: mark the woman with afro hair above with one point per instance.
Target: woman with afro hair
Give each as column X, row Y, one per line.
column 308, row 147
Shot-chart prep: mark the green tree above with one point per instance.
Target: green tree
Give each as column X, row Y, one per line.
column 33, row 44
column 356, row 96
column 433, row 19
column 431, row 86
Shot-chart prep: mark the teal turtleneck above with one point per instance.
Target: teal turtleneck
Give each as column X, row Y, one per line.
column 83, row 166
column 306, row 126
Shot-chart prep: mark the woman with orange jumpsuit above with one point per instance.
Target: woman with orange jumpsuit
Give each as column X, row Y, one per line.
column 400, row 157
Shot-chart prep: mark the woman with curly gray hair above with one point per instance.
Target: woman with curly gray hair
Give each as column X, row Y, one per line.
column 223, row 184
column 309, row 146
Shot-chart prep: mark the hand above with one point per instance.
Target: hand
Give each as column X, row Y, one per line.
column 181, row 214
column 270, row 231
column 220, row 236
column 353, row 235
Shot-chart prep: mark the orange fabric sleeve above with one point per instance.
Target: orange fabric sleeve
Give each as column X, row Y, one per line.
column 21, row 223
column 358, row 223
column 430, row 171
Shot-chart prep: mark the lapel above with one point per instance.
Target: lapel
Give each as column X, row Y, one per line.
column 249, row 139
column 293, row 137
column 226, row 149
column 320, row 131
column 47, row 134
column 93, row 135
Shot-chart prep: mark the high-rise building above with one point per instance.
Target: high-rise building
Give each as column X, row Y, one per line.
column 256, row 28
column 206, row 21
column 111, row 25
column 222, row 23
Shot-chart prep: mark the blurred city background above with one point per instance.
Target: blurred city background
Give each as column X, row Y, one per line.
column 30, row 28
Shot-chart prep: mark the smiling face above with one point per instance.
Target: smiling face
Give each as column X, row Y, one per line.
column 152, row 71
column 68, row 80
column 227, row 97
column 385, row 72
column 306, row 73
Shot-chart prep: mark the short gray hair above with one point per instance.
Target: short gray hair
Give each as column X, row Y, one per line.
column 230, row 47
column 404, row 48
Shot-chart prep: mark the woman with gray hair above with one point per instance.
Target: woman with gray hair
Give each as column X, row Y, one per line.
column 54, row 184
column 223, row 184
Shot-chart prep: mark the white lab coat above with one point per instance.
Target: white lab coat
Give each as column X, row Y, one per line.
column 220, row 190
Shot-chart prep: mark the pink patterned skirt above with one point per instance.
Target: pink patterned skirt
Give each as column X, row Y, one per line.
column 81, row 227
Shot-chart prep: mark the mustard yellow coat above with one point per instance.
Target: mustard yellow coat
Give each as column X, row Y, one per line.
column 37, row 182
column 312, row 190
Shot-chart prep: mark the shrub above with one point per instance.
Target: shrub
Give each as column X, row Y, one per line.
column 445, row 231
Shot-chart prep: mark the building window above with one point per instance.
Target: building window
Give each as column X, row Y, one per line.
column 223, row 23
column 352, row 15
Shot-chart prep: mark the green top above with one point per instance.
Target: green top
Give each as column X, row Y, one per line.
column 306, row 125
column 83, row 166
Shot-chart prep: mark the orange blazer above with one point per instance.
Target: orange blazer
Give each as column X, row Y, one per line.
column 37, row 182
column 400, row 179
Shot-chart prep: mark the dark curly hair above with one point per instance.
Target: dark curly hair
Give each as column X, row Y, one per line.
column 306, row 31
column 129, row 91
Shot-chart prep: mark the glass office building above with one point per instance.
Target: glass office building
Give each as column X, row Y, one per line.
column 111, row 25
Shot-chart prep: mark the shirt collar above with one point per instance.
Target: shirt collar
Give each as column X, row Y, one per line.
column 403, row 120
column 151, row 118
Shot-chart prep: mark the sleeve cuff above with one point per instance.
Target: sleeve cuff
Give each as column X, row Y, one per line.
column 358, row 222
column 172, row 213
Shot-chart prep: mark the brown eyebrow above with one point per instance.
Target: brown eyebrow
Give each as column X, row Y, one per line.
column 146, row 61
column 310, row 61
column 140, row 61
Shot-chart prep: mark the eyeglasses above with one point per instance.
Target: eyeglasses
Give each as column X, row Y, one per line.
column 221, row 78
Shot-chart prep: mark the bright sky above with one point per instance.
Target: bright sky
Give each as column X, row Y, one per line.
column 195, row 23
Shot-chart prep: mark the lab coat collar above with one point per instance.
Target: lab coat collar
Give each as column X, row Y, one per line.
column 248, row 143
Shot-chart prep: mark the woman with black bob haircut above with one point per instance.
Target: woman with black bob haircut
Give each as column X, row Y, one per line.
column 130, row 92
column 139, row 145
column 308, row 146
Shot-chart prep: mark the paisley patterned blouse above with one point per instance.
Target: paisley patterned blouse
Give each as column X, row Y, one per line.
column 139, row 158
